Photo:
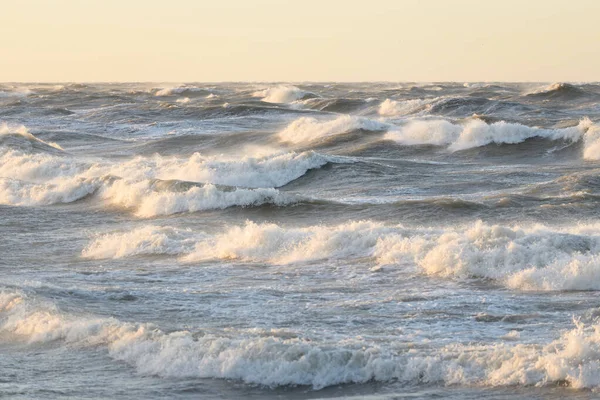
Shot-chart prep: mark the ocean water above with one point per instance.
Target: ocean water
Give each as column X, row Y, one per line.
column 380, row 241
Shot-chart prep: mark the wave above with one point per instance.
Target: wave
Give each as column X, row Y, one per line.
column 278, row 245
column 396, row 108
column 466, row 106
column 18, row 137
column 477, row 133
column 15, row 91
column 146, row 201
column 181, row 90
column 28, row 179
column 139, row 184
column 282, row 94
column 309, row 129
column 145, row 198
column 37, row 167
column 145, row 240
column 269, row 171
column 534, row 258
column 524, row 258
column 562, row 91
column 272, row 358
column 336, row 105
column 19, row 193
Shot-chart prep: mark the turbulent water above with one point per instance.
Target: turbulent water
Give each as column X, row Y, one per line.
column 299, row 241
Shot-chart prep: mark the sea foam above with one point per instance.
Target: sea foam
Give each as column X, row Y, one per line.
column 280, row 94
column 42, row 178
column 536, row 257
column 477, row 133
column 308, row 129
column 270, row 360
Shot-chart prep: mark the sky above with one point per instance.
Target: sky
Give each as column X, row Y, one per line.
column 299, row 40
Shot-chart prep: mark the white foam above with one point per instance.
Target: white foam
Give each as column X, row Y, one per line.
column 524, row 258
column 146, row 202
column 272, row 170
column 308, row 129
column 591, row 141
column 183, row 100
column 143, row 240
column 39, row 167
column 266, row 358
column 28, row 179
column 430, row 132
column 477, row 133
column 140, row 197
column 280, row 94
column 64, row 190
column 21, row 130
column 173, row 90
column 394, row 108
column 274, row 244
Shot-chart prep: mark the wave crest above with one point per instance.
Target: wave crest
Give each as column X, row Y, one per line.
column 395, row 108
column 281, row 94
column 535, row 258
column 477, row 133
column 308, row 129
column 265, row 358
column 144, row 240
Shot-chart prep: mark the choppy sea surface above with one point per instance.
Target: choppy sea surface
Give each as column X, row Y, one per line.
column 380, row 240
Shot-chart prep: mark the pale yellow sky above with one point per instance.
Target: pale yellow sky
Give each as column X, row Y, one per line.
column 300, row 40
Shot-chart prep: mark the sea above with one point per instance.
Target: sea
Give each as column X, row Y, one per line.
column 259, row 240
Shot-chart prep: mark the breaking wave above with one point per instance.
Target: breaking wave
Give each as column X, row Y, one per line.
column 142, row 184
column 145, row 240
column 477, row 133
column 273, row 170
column 308, row 129
column 395, row 108
column 18, row 137
column 145, row 198
column 282, row 94
column 273, row 358
column 524, row 258
column 180, row 90
column 563, row 91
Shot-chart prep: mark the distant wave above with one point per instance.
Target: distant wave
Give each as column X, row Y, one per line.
column 395, row 108
column 309, row 129
column 337, row 105
column 181, row 90
column 477, row 133
column 466, row 106
column 282, row 94
column 564, row 91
